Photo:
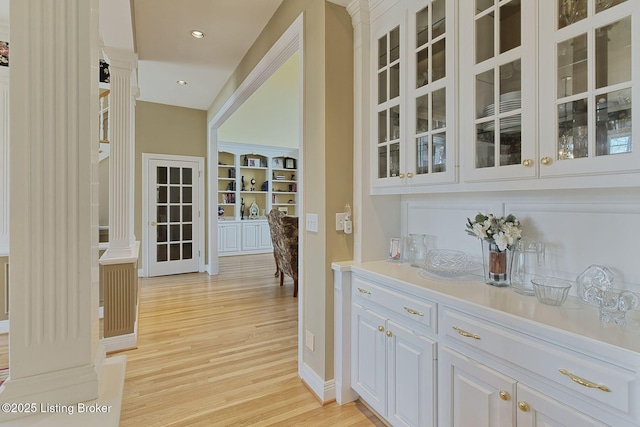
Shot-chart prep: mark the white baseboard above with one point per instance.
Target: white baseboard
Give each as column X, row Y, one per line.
column 120, row 342
column 140, row 272
column 325, row 390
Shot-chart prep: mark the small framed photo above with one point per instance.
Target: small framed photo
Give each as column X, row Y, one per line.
column 283, row 209
column 289, row 163
column 253, row 162
column 277, row 163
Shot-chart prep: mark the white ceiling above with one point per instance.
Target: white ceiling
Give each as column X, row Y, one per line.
column 167, row 52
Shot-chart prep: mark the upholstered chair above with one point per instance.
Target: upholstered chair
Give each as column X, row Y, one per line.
column 284, row 236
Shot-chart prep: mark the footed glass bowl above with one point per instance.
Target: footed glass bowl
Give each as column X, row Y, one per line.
column 551, row 290
column 449, row 263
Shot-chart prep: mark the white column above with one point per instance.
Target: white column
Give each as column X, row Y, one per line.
column 122, row 241
column 54, row 350
column 4, row 161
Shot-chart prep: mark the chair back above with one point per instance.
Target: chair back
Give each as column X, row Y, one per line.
column 284, row 236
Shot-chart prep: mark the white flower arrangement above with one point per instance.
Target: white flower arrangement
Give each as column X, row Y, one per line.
column 503, row 231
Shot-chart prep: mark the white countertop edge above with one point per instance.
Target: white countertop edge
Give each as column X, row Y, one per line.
column 568, row 324
column 342, row 266
column 129, row 258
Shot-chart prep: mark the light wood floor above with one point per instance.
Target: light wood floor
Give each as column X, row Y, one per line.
column 222, row 351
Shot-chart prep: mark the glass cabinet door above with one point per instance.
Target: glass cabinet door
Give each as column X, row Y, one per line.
column 431, row 153
column 388, row 120
column 589, row 69
column 498, row 87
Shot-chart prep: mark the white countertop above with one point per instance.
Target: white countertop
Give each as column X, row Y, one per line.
column 573, row 316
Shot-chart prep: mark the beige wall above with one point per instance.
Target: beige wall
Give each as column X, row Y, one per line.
column 166, row 129
column 326, row 152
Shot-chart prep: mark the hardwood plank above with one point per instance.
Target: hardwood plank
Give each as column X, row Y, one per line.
column 223, row 351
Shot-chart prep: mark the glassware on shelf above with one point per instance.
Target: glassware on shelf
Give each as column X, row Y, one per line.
column 526, row 263
column 416, row 249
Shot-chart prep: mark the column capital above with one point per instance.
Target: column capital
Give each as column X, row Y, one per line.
column 120, row 58
column 359, row 12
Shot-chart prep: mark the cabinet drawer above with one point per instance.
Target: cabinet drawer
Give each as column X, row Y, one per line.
column 409, row 307
column 570, row 371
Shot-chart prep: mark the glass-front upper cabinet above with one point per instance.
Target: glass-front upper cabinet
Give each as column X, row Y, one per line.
column 498, row 89
column 589, row 62
column 388, row 109
column 431, row 149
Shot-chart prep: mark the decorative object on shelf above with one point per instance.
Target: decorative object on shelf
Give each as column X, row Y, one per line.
column 449, row 263
column 498, row 235
column 416, row 249
column 395, row 249
column 242, row 207
column 526, row 263
column 220, row 211
column 277, row 163
column 254, row 162
column 254, row 211
column 232, row 173
column 242, row 187
column 264, row 186
column 245, row 161
column 253, row 184
column 293, row 177
column 289, row 163
column 231, row 186
column 593, row 279
column 551, row 290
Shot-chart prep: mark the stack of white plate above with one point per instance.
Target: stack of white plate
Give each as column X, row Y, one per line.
column 505, row 124
column 508, row 102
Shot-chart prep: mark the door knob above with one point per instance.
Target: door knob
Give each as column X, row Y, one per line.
column 546, row 161
column 153, row 223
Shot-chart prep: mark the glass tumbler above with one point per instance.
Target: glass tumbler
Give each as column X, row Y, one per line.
column 416, row 249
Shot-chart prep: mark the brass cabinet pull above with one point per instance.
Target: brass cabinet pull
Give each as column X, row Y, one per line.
column 153, row 223
column 389, row 334
column 583, row 382
column 412, row 311
column 527, row 163
column 523, row 406
column 465, row 333
column 409, row 175
column 504, row 395
column 364, row 291
column 400, row 175
column 546, row 161
column 381, row 328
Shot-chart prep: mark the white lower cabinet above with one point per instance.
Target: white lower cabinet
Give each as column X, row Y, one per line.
column 256, row 236
column 243, row 237
column 474, row 395
column 394, row 368
column 228, row 238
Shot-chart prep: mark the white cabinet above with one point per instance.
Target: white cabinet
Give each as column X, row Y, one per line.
column 393, row 362
column 256, row 236
column 475, row 395
column 228, row 238
column 413, row 113
column 588, row 74
column 498, row 80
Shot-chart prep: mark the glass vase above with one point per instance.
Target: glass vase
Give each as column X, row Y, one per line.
column 496, row 264
column 416, row 249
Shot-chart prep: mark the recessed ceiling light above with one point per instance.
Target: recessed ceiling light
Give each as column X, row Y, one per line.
column 197, row 34
column 181, row 82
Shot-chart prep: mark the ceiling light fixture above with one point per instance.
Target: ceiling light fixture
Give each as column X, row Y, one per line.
column 197, row 34
column 181, row 82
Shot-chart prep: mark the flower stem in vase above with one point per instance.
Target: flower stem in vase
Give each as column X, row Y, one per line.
column 496, row 263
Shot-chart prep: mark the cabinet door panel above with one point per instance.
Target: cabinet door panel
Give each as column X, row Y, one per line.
column 539, row 410
column 471, row 393
column 368, row 358
column 411, row 377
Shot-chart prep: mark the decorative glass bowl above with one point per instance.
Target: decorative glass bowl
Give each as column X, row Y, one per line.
column 449, row 263
column 551, row 290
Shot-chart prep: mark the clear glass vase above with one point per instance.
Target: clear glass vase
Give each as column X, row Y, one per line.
column 497, row 264
column 416, row 249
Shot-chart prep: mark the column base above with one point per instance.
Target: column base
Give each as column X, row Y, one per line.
column 102, row 411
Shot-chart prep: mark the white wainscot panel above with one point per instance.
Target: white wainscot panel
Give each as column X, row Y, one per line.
column 580, row 234
column 445, row 223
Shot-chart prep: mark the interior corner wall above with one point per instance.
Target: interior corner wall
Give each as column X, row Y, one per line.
column 166, row 129
column 103, row 211
column 319, row 249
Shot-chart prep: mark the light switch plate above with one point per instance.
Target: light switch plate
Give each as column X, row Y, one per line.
column 312, row 222
column 339, row 221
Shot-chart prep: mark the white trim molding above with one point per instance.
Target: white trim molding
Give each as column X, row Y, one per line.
column 324, row 390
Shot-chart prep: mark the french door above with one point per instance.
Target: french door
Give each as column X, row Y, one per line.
column 173, row 216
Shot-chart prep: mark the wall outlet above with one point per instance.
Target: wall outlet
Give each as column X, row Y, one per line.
column 310, row 340
column 339, row 221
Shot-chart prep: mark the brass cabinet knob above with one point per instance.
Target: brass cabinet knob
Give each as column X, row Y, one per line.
column 546, row 161
column 523, row 406
column 381, row 328
column 153, row 223
column 409, row 175
column 504, row 395
column 389, row 334
column 400, row 175
column 527, row 163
